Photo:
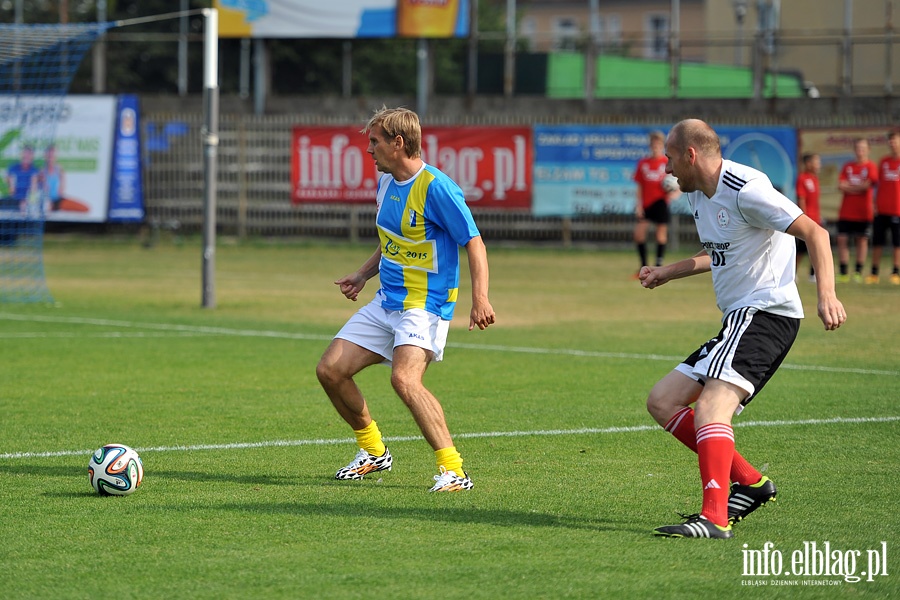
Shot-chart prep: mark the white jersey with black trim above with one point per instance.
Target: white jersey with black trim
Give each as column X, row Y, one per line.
column 742, row 229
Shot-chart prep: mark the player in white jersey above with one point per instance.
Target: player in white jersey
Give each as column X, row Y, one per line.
column 422, row 220
column 747, row 230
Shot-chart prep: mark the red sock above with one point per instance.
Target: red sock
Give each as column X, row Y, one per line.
column 682, row 427
column 743, row 472
column 715, row 447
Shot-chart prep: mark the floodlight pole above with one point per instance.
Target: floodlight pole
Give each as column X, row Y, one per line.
column 210, row 135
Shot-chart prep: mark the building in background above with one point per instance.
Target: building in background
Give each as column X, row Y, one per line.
column 634, row 28
column 835, row 47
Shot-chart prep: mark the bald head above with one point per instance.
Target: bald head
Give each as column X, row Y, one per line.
column 697, row 134
column 694, row 156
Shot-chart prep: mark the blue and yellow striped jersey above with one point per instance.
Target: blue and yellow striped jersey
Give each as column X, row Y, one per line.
column 421, row 223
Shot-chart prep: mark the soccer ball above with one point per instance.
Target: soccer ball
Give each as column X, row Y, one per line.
column 115, row 470
column 670, row 183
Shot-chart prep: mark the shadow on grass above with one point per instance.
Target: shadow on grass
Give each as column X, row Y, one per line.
column 90, row 493
column 440, row 514
column 351, row 506
column 69, row 471
column 43, row 470
column 245, row 479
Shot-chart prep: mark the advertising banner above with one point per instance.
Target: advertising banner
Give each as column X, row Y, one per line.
column 68, row 144
column 582, row 169
column 344, row 19
column 491, row 164
column 126, row 196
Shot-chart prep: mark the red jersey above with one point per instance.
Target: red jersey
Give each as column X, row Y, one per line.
column 649, row 175
column 858, row 207
column 888, row 198
column 808, row 196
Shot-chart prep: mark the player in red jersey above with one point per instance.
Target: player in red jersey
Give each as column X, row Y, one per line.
column 887, row 210
column 857, row 180
column 653, row 199
column 808, row 201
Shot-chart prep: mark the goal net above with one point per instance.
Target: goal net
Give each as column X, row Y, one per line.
column 37, row 63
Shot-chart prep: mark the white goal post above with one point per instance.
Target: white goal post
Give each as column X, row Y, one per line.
column 37, row 64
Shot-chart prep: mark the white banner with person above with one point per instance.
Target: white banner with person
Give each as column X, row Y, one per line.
column 56, row 156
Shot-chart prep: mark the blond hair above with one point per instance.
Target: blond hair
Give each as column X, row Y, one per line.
column 402, row 122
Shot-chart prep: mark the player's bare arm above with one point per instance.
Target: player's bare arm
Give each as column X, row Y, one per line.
column 351, row 285
column 818, row 244
column 482, row 314
column 652, row 277
column 854, row 188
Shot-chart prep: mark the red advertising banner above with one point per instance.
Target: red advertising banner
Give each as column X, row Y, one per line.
column 492, row 165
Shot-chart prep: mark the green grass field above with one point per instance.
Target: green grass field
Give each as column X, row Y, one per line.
column 240, row 444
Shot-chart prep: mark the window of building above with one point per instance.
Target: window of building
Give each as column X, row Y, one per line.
column 608, row 30
column 612, row 33
column 565, row 33
column 657, row 30
column 528, row 32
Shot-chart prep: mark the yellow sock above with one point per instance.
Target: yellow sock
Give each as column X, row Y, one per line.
column 369, row 439
column 450, row 459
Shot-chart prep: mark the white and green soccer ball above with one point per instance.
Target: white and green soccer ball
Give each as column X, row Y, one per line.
column 115, row 470
column 670, row 183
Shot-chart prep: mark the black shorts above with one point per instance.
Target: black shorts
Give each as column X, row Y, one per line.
column 882, row 225
column 746, row 352
column 854, row 228
column 658, row 212
column 801, row 247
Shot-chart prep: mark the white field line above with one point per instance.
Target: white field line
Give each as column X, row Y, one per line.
column 483, row 434
column 26, row 335
column 167, row 327
column 188, row 330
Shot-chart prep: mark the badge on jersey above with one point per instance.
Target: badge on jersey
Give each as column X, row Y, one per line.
column 722, row 218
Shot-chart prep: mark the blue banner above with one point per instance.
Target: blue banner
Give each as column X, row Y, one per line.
column 126, row 193
column 580, row 169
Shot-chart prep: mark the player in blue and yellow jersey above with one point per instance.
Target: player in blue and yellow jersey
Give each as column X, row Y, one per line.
column 422, row 221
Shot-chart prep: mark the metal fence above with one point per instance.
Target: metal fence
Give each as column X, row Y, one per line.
column 254, row 185
column 254, row 191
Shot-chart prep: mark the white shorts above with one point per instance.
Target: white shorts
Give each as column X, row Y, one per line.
column 379, row 330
